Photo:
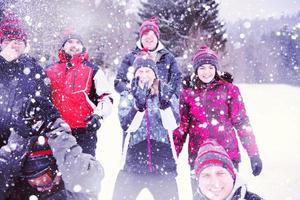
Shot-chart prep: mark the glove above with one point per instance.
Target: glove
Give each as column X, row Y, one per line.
column 139, row 94
column 93, row 122
column 165, row 93
column 36, row 117
column 59, row 127
column 256, row 165
column 226, row 76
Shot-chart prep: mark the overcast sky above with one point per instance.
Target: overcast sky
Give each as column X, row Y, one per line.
column 231, row 10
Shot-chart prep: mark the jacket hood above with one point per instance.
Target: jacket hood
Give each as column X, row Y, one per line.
column 239, row 183
column 75, row 59
column 158, row 48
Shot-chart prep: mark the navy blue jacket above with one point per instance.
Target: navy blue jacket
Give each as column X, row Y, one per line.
column 20, row 80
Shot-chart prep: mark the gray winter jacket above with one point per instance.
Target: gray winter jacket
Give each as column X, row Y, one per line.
column 81, row 173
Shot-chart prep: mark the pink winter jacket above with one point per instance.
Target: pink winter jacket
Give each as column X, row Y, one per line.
column 216, row 111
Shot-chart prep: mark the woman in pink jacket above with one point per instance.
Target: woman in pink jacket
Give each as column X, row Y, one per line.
column 212, row 107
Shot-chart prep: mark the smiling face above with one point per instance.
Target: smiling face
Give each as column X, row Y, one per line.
column 17, row 45
column 73, row 46
column 215, row 182
column 145, row 74
column 206, row 73
column 149, row 40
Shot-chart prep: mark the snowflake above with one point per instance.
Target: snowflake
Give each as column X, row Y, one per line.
column 26, row 70
column 77, row 188
column 33, row 197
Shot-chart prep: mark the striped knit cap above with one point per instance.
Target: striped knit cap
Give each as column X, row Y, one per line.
column 11, row 27
column 39, row 160
column 150, row 24
column 144, row 59
column 204, row 56
column 212, row 154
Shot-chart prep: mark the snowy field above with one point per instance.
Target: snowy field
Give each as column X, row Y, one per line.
column 274, row 111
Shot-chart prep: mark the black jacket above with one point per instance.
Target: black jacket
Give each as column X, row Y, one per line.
column 20, row 80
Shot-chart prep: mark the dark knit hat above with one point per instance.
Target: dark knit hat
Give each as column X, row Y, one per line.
column 39, row 160
column 144, row 60
column 212, row 154
column 150, row 24
column 70, row 34
column 12, row 28
column 204, row 55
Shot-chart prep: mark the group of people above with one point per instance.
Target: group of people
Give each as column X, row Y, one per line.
column 49, row 121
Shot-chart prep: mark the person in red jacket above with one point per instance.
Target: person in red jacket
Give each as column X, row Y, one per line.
column 213, row 108
column 80, row 92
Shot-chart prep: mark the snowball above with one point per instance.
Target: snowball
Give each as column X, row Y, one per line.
column 37, row 76
column 214, row 122
column 27, row 18
column 43, row 59
column 294, row 37
column 128, row 25
column 33, row 197
column 26, row 70
column 247, row 24
column 116, row 61
column 77, row 188
column 41, row 140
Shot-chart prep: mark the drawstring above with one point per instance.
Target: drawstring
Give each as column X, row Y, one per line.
column 148, row 137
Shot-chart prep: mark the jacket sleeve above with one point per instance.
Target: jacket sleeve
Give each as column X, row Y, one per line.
column 105, row 100
column 129, row 116
column 175, row 76
column 80, row 172
column 180, row 134
column 240, row 120
column 121, row 83
column 12, row 157
column 42, row 88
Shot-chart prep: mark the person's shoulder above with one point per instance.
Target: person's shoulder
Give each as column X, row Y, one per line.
column 166, row 53
column 252, row 196
column 92, row 65
column 28, row 60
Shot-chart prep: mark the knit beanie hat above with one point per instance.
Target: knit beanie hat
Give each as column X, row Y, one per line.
column 150, row 24
column 144, row 60
column 212, row 154
column 12, row 28
column 70, row 34
column 204, row 56
column 39, row 160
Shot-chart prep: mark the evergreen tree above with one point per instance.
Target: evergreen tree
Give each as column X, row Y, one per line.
column 289, row 51
column 185, row 24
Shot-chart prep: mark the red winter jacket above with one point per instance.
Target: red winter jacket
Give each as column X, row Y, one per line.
column 216, row 111
column 73, row 89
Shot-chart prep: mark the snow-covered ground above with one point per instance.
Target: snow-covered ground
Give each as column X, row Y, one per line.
column 274, row 111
